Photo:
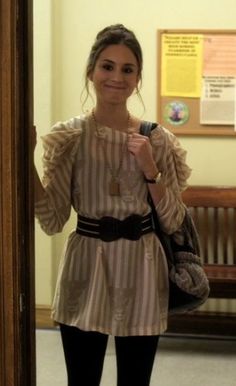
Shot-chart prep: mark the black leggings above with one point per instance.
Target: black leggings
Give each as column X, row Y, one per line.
column 85, row 351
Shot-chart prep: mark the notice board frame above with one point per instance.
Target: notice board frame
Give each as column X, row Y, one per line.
column 192, row 127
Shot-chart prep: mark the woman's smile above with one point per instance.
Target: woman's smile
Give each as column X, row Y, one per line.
column 115, row 87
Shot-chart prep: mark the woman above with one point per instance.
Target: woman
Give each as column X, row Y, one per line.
column 113, row 277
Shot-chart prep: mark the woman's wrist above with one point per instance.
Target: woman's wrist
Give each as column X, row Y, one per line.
column 151, row 174
column 154, row 179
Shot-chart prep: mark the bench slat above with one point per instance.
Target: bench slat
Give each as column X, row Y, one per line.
column 220, row 272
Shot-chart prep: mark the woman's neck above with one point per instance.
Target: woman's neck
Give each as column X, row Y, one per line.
column 115, row 118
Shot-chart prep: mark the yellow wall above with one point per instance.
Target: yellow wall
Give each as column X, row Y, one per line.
column 64, row 32
column 42, row 119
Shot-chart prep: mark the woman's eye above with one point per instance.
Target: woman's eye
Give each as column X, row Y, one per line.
column 107, row 67
column 128, row 70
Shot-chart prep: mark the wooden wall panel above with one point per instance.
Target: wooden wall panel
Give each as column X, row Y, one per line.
column 17, row 347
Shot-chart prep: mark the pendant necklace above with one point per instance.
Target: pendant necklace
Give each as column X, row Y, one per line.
column 114, row 185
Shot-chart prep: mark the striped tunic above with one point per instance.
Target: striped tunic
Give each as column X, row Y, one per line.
column 119, row 287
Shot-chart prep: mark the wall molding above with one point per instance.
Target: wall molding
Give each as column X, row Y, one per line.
column 43, row 317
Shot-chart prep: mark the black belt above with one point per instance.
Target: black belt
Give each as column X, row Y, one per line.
column 110, row 229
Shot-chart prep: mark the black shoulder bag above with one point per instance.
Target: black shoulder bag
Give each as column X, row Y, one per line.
column 188, row 283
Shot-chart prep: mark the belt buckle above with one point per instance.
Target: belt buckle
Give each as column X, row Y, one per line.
column 112, row 229
column 109, row 228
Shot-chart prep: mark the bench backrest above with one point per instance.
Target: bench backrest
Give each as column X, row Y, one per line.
column 214, row 211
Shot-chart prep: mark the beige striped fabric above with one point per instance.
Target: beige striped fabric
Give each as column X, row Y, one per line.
column 119, row 287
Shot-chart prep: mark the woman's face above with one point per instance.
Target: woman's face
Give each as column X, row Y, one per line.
column 115, row 75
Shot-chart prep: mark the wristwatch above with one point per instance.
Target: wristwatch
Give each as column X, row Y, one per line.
column 154, row 180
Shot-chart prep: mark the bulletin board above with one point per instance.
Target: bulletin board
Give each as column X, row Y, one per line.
column 197, row 81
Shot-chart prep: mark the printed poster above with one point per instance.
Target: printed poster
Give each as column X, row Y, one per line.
column 181, row 65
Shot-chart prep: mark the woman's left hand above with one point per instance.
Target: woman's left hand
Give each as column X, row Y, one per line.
column 141, row 148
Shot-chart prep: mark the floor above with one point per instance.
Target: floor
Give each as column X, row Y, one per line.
column 179, row 362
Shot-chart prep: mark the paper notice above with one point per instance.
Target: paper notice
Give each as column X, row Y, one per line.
column 217, row 104
column 181, row 65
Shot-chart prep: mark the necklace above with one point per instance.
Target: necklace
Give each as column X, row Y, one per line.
column 114, row 185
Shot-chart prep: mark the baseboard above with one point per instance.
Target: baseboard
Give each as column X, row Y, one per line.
column 196, row 323
column 43, row 317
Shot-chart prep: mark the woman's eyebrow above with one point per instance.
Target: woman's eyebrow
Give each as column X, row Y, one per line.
column 112, row 62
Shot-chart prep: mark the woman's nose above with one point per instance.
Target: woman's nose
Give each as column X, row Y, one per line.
column 117, row 75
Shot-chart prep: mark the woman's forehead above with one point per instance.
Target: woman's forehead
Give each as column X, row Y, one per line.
column 118, row 53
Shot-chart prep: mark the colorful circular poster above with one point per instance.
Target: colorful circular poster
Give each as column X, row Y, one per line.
column 176, row 113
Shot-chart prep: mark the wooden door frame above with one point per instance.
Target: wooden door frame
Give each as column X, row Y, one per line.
column 17, row 304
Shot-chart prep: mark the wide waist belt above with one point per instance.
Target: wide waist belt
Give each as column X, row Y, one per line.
column 110, row 229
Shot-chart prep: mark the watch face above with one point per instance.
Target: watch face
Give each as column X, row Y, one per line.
column 158, row 178
column 154, row 180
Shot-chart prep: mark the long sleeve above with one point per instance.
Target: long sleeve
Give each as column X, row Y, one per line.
column 60, row 148
column 171, row 160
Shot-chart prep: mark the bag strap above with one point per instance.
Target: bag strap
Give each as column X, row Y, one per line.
column 190, row 233
column 146, row 128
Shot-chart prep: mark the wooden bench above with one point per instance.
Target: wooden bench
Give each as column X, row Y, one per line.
column 214, row 211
